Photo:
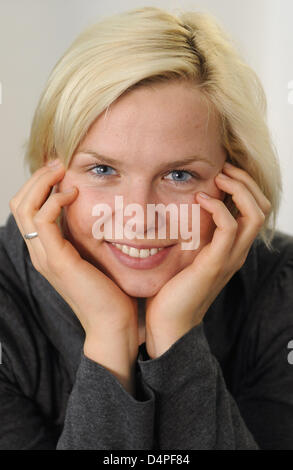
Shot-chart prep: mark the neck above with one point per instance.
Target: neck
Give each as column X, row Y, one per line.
column 141, row 310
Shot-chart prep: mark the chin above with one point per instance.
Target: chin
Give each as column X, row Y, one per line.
column 140, row 290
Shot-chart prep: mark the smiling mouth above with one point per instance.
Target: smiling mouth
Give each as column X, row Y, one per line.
column 138, row 252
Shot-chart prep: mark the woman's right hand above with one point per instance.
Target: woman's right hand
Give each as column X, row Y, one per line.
column 108, row 316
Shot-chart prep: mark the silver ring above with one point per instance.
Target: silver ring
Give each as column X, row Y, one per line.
column 31, row 235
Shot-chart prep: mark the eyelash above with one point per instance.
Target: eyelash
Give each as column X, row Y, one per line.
column 189, row 172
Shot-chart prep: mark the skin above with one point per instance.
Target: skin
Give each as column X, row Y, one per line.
column 144, row 129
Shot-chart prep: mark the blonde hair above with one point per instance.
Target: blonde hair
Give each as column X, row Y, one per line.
column 145, row 46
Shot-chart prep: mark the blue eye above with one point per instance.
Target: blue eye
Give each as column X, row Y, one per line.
column 103, row 170
column 182, row 176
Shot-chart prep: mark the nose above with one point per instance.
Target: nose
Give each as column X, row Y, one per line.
column 135, row 204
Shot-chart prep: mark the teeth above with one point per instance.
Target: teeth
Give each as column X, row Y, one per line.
column 144, row 253
column 125, row 249
column 135, row 253
column 132, row 252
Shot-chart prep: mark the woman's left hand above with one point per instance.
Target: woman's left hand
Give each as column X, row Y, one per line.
column 183, row 301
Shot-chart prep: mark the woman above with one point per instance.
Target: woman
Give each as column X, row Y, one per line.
column 107, row 344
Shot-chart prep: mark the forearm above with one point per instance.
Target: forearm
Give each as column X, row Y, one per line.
column 102, row 415
column 194, row 408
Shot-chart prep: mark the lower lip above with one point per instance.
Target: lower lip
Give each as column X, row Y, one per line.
column 140, row 263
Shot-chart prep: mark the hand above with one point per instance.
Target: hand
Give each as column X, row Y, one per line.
column 183, row 301
column 103, row 309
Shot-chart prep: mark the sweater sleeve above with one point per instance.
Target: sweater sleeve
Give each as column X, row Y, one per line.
column 195, row 409
column 265, row 391
column 100, row 413
column 22, row 425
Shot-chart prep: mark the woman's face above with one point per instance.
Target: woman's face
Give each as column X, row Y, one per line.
column 146, row 136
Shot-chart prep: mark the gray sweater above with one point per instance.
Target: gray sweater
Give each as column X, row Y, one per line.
column 226, row 384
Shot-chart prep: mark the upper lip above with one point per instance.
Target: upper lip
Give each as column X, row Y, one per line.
column 139, row 247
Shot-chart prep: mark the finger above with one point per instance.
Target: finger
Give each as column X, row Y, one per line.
column 34, row 245
column 45, row 222
column 252, row 217
column 27, row 186
column 226, row 228
column 14, row 206
column 31, row 186
column 42, row 245
column 36, row 193
column 241, row 175
column 35, row 197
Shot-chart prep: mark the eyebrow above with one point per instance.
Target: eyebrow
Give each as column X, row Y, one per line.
column 174, row 163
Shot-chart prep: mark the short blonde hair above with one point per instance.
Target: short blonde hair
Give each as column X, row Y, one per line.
column 145, row 46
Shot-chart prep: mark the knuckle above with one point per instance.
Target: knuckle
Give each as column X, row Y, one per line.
column 219, row 204
column 241, row 173
column 260, row 219
column 268, row 206
column 258, row 223
column 22, row 211
column 38, row 219
column 12, row 204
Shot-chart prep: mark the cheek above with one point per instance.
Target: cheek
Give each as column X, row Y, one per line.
column 80, row 221
column 78, row 215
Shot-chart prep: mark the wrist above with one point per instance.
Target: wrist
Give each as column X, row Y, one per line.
column 159, row 342
column 114, row 356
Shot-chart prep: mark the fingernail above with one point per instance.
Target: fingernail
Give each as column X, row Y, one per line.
column 69, row 190
column 54, row 162
column 204, row 195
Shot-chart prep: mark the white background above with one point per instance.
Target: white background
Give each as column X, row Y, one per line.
column 35, row 33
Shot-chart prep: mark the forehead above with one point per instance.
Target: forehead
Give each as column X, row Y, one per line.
column 163, row 118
